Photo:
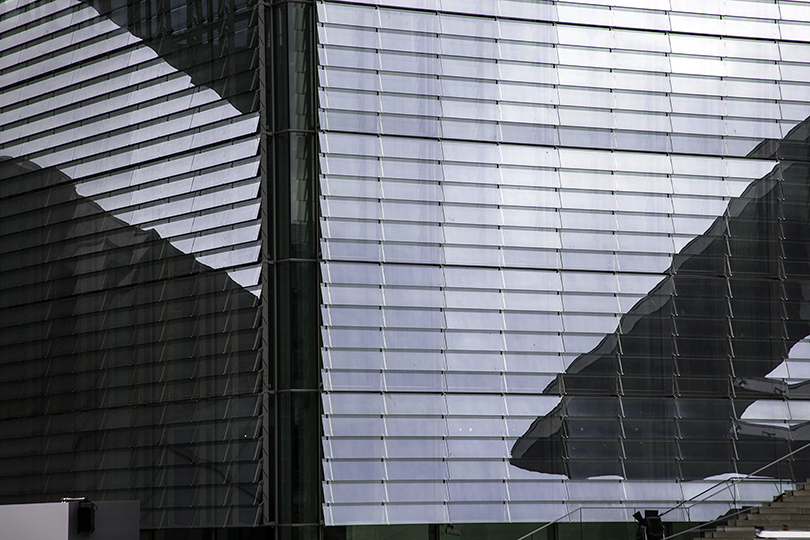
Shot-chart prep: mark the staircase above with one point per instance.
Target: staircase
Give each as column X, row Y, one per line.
column 788, row 511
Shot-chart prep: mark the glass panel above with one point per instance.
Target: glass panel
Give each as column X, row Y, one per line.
column 295, row 195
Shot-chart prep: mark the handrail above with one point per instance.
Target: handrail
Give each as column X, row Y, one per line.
column 700, row 526
column 721, row 482
column 550, row 523
column 733, row 481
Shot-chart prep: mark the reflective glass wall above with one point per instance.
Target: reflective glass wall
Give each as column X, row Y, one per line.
column 565, row 256
column 291, row 128
column 133, row 363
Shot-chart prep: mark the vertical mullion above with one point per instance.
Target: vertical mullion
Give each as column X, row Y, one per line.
column 292, row 147
column 268, row 281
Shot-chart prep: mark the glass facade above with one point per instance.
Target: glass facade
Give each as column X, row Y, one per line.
column 160, row 261
column 275, row 266
column 133, row 360
column 564, row 256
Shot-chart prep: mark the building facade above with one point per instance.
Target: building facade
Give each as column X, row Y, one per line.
column 307, row 268
column 146, row 253
column 564, row 256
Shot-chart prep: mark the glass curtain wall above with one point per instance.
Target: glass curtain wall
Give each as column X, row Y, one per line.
column 132, row 361
column 292, row 136
column 565, row 256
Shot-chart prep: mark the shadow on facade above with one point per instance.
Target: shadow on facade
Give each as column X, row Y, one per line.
column 130, row 370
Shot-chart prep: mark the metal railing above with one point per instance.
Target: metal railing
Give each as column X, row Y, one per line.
column 709, row 492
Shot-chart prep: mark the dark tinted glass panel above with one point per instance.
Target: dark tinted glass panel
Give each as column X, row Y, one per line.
column 133, row 369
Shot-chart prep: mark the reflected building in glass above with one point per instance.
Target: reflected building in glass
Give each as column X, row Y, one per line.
column 149, row 245
column 300, row 267
column 565, row 257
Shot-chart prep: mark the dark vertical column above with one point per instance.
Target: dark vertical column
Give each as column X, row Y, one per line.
column 268, row 278
column 291, row 126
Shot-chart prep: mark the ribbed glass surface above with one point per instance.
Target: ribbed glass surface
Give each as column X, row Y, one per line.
column 130, row 276
column 565, row 256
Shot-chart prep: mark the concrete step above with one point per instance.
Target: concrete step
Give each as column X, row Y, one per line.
column 788, row 511
column 783, row 509
column 724, row 531
column 793, row 493
column 778, row 519
column 734, row 528
column 774, row 521
column 788, row 503
column 742, row 523
column 734, row 535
